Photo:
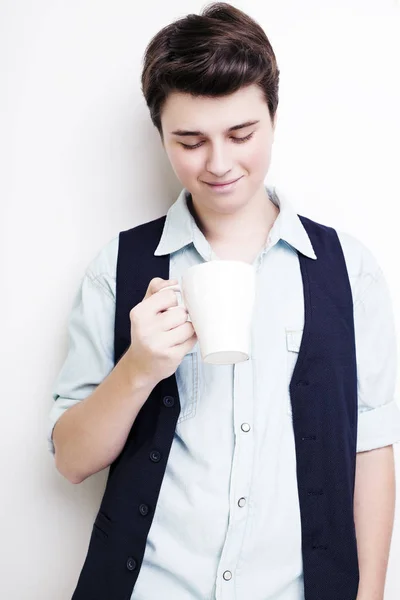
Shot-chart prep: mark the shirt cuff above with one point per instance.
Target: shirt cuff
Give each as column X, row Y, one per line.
column 378, row 427
column 59, row 407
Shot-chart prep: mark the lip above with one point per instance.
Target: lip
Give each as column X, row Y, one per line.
column 222, row 184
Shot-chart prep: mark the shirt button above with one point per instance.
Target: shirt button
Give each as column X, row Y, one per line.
column 131, row 564
column 227, row 575
column 245, row 427
column 155, row 456
column 242, row 502
column 143, row 509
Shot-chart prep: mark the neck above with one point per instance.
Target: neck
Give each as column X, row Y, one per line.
column 251, row 223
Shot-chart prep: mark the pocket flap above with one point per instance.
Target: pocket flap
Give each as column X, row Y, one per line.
column 293, row 339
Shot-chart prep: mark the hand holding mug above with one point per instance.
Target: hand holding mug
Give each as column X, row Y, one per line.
column 160, row 338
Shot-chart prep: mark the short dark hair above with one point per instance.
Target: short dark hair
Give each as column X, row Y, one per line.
column 212, row 54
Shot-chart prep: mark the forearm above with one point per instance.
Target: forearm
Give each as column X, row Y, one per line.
column 91, row 434
column 374, row 504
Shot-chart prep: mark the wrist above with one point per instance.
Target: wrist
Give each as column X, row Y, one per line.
column 135, row 378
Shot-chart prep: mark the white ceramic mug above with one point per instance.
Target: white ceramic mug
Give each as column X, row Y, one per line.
column 219, row 297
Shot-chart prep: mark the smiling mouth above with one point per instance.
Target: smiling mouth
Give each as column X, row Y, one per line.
column 222, row 184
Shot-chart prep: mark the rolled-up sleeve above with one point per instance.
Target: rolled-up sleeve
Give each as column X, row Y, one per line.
column 90, row 356
column 376, row 348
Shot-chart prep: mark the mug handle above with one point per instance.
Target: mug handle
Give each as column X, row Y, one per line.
column 177, row 288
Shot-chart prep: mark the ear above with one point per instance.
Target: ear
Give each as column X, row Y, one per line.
column 274, row 125
column 275, row 119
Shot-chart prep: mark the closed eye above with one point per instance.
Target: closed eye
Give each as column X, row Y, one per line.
column 234, row 139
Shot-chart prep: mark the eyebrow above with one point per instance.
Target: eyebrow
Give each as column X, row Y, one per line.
column 184, row 132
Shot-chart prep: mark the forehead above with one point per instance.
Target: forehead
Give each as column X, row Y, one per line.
column 205, row 113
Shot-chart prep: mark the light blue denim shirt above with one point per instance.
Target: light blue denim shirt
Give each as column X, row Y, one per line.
column 227, row 524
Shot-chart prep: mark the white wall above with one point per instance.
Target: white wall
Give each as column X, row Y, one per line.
column 81, row 161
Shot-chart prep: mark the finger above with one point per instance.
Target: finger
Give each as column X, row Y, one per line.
column 161, row 301
column 157, row 284
column 179, row 335
column 186, row 346
column 175, row 316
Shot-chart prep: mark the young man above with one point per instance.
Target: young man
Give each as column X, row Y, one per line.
column 252, row 481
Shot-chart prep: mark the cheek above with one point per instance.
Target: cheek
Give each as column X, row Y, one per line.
column 185, row 162
column 259, row 157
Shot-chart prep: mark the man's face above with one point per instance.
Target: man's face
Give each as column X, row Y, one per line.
column 217, row 154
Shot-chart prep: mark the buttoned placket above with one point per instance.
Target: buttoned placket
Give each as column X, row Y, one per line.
column 242, row 465
column 242, row 462
column 240, row 483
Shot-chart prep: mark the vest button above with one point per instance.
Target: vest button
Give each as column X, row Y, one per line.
column 144, row 509
column 155, row 455
column 168, row 401
column 131, row 564
column 302, row 383
column 320, row 547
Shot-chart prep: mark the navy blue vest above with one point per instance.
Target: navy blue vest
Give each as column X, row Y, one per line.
column 323, row 393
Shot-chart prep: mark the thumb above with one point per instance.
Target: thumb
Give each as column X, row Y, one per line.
column 158, row 284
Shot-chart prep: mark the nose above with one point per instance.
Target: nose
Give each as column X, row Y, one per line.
column 219, row 161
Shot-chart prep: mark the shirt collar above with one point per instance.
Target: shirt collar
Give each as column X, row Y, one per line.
column 287, row 225
column 180, row 228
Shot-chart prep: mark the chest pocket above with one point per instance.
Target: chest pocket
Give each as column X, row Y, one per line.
column 187, row 379
column 293, row 343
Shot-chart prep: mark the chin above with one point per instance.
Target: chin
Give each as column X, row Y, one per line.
column 226, row 205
